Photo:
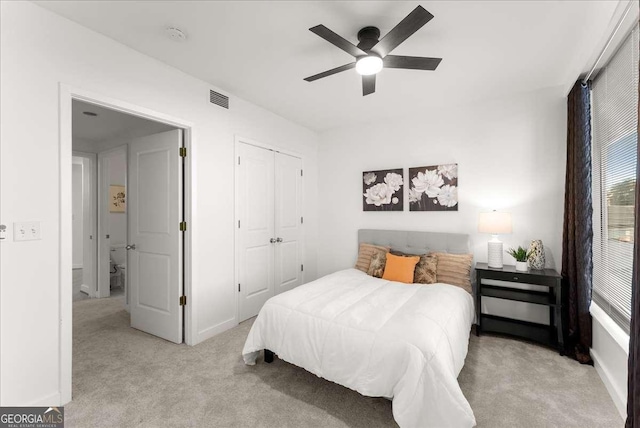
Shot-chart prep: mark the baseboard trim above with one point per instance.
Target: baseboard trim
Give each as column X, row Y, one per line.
column 48, row 401
column 619, row 397
column 209, row 332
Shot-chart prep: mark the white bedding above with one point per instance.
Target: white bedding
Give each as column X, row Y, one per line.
column 380, row 338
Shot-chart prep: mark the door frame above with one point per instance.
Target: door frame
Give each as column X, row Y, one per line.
column 68, row 93
column 236, row 234
column 90, row 250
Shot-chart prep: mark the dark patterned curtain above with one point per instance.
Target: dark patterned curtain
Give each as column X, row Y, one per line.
column 633, row 396
column 577, row 263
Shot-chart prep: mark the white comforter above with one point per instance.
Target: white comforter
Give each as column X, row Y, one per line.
column 380, row 338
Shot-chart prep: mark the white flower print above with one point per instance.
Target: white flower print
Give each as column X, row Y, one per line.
column 449, row 171
column 448, row 196
column 395, row 200
column 393, row 180
column 369, row 178
column 414, row 196
column 379, row 194
column 428, row 182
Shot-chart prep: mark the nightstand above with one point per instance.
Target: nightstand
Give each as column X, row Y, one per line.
column 552, row 334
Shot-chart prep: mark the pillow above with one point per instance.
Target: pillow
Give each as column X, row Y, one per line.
column 378, row 262
column 364, row 255
column 454, row 269
column 426, row 270
column 400, row 269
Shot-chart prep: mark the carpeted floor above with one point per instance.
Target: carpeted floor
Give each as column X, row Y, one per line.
column 125, row 378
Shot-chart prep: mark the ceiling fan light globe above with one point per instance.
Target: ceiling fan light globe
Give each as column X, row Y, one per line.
column 369, row 65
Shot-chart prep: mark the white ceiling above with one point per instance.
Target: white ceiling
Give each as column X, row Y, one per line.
column 261, row 51
column 110, row 125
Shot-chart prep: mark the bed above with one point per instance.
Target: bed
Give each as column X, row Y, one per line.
column 405, row 342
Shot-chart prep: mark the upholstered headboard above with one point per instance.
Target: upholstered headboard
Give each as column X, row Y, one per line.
column 413, row 242
column 417, row 242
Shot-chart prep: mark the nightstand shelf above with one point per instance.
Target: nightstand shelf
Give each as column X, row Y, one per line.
column 549, row 334
column 528, row 296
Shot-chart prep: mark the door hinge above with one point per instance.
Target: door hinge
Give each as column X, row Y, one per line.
column 238, row 224
column 301, row 220
column 238, row 160
column 183, row 300
column 238, row 288
column 301, row 173
column 301, row 268
column 183, row 152
column 183, row 226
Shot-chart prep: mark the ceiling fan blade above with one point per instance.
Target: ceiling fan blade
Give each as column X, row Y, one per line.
column 337, row 40
column 330, row 72
column 401, row 32
column 411, row 62
column 368, row 84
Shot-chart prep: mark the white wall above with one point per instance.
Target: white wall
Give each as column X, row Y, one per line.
column 610, row 354
column 77, row 190
column 510, row 154
column 511, row 157
column 38, row 51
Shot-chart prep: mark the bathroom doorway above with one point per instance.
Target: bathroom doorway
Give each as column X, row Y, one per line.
column 103, row 141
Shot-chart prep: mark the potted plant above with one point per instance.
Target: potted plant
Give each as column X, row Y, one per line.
column 521, row 255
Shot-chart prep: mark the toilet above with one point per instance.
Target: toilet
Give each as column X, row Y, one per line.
column 118, row 267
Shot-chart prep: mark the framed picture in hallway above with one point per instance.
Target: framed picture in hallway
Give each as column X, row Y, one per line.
column 383, row 190
column 117, row 199
column 433, row 188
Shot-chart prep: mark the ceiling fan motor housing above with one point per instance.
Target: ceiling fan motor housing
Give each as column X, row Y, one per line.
column 368, row 37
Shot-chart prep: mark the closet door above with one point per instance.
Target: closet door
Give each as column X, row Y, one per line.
column 255, row 212
column 288, row 222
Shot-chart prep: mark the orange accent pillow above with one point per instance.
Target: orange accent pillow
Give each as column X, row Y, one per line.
column 400, row 269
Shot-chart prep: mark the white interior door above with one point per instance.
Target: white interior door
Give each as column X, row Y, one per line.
column 288, row 222
column 155, row 211
column 255, row 208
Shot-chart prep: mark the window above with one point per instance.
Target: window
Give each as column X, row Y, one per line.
column 614, row 112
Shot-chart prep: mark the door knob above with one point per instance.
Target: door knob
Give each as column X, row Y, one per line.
column 131, row 247
column 272, row 240
column 279, row 240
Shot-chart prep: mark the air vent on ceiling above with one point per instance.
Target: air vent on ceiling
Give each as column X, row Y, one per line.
column 218, row 99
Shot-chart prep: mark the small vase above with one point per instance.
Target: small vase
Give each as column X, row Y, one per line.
column 522, row 266
column 536, row 254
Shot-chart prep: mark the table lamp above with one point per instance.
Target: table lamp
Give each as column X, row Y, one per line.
column 496, row 224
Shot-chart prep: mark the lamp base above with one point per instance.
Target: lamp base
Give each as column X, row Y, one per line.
column 495, row 254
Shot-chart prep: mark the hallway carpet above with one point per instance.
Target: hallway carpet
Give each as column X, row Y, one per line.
column 125, row 378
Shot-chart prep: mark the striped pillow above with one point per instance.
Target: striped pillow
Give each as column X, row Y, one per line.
column 364, row 255
column 454, row 269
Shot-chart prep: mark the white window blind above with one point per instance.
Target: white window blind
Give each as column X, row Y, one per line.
column 614, row 101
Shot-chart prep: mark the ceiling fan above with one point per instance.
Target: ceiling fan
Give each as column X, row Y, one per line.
column 372, row 54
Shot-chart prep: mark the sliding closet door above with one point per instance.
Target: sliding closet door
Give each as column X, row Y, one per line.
column 256, row 232
column 288, row 222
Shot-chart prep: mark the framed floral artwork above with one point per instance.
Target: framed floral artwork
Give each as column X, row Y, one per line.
column 117, row 199
column 433, row 188
column 383, row 190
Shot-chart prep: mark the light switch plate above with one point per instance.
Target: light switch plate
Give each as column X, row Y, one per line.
column 26, row 231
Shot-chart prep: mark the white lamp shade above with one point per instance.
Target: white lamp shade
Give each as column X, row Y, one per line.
column 495, row 223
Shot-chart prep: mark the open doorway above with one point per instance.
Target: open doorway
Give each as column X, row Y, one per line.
column 128, row 216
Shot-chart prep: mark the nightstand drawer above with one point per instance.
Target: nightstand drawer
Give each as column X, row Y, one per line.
column 520, row 277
